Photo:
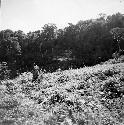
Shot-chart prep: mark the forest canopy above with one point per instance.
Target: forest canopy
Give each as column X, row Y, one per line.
column 86, row 43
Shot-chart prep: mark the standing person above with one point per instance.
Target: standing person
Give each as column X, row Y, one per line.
column 35, row 72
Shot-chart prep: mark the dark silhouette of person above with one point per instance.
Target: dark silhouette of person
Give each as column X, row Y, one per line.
column 35, row 72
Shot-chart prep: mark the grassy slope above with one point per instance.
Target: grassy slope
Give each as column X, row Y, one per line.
column 83, row 96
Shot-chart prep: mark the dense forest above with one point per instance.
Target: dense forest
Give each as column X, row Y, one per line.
column 84, row 44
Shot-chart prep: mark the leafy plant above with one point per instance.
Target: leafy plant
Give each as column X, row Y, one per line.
column 4, row 71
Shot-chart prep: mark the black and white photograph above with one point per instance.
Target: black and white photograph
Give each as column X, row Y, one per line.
column 61, row 62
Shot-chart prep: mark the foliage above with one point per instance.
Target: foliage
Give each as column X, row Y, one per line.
column 87, row 43
column 89, row 95
column 4, row 71
column 118, row 34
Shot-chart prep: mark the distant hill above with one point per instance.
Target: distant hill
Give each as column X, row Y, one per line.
column 86, row 96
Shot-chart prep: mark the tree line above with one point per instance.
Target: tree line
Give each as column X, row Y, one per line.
column 86, row 43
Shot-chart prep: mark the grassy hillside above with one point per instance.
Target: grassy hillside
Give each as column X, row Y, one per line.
column 86, row 96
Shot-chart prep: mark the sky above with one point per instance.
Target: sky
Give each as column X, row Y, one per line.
column 31, row 15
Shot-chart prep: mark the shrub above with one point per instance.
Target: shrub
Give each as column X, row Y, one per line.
column 4, row 71
column 111, row 90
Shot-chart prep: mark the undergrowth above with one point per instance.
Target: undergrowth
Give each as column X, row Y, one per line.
column 85, row 96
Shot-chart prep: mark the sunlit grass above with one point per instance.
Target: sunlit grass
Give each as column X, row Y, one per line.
column 85, row 96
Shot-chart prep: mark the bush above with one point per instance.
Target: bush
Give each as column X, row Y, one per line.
column 4, row 71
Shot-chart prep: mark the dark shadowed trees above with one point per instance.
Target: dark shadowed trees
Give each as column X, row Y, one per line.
column 85, row 43
column 118, row 35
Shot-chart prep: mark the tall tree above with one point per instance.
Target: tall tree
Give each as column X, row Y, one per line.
column 118, row 34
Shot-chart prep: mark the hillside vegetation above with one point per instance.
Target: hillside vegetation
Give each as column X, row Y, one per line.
column 85, row 96
column 88, row 42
